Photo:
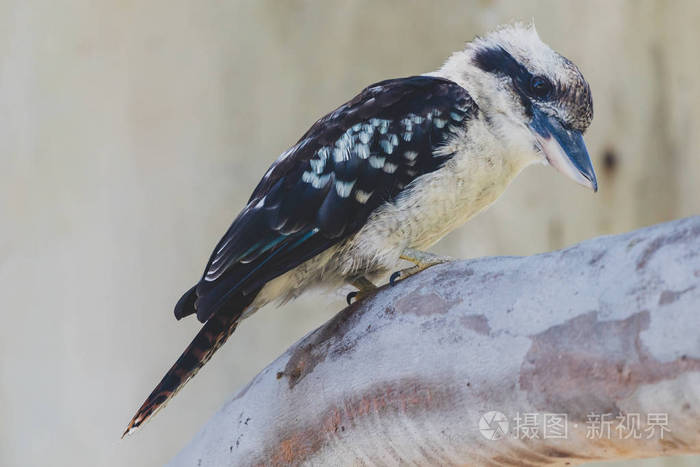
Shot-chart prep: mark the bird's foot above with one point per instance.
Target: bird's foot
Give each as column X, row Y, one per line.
column 422, row 260
column 364, row 286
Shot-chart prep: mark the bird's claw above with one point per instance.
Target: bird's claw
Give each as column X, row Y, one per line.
column 356, row 296
column 350, row 296
column 421, row 260
column 405, row 274
column 365, row 287
column 394, row 276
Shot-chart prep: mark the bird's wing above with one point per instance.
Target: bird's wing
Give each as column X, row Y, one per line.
column 323, row 189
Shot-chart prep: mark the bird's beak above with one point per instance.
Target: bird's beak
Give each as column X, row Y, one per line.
column 564, row 149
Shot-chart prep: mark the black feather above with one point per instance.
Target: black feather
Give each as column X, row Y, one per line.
column 323, row 189
column 185, row 306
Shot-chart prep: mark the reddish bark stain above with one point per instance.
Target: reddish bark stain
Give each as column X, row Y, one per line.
column 477, row 323
column 670, row 296
column 297, row 446
column 422, row 304
column 405, row 397
column 586, row 365
column 329, row 338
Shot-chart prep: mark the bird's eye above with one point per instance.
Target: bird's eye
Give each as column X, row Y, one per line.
column 540, row 86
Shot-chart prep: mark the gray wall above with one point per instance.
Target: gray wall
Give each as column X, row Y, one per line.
column 133, row 132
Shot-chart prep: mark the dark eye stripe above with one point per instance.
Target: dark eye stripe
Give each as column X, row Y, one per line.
column 498, row 60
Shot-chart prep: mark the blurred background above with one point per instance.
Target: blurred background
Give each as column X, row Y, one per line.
column 133, row 132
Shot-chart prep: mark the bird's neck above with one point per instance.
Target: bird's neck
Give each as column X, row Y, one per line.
column 497, row 119
column 460, row 69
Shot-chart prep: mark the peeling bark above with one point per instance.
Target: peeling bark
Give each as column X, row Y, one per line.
column 608, row 326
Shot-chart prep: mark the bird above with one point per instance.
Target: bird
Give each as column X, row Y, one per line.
column 385, row 176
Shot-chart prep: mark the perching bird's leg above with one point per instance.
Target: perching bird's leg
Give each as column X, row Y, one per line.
column 421, row 259
column 364, row 288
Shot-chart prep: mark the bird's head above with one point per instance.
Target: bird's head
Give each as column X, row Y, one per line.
column 538, row 98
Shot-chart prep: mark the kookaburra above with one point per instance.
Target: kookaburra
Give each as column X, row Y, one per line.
column 385, row 176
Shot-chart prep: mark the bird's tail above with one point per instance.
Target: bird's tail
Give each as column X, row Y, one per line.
column 212, row 336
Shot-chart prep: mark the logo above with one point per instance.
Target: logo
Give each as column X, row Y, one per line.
column 493, row 425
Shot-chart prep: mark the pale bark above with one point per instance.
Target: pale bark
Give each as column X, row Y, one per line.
column 608, row 326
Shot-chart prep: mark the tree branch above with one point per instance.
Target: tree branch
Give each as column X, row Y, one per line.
column 608, row 326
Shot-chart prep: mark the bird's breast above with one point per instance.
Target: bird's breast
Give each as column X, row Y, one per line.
column 434, row 205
